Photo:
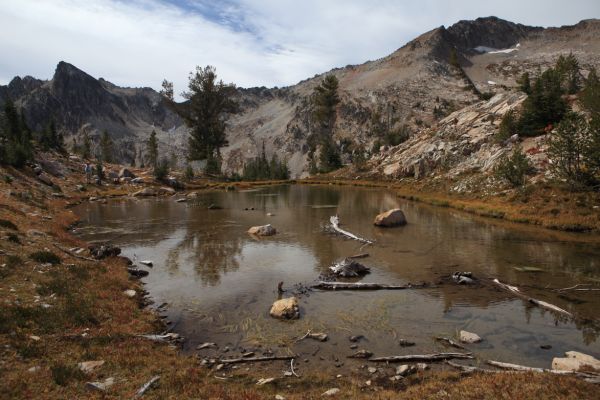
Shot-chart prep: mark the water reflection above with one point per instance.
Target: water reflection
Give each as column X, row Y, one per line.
column 220, row 282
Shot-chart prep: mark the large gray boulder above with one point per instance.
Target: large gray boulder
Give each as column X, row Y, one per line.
column 393, row 217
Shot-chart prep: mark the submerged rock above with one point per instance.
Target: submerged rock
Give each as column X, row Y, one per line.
column 575, row 360
column 103, row 251
column 361, row 354
column 349, row 268
column 285, row 309
column 393, row 217
column 469, row 337
column 263, row 230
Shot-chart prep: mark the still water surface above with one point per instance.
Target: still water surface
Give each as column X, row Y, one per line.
column 220, row 282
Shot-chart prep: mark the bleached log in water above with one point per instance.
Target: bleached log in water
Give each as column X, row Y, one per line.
column 335, row 224
column 364, row 286
column 423, row 357
column 515, row 290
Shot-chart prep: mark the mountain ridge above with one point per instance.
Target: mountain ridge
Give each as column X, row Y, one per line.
column 402, row 88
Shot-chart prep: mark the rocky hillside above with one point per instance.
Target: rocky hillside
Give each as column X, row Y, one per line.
column 79, row 103
column 414, row 87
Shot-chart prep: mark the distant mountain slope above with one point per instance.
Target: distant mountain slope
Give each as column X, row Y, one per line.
column 414, row 86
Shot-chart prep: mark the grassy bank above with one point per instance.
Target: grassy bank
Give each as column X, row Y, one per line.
column 550, row 206
column 60, row 309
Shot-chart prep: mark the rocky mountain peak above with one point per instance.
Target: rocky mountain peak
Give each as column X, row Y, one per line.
column 490, row 32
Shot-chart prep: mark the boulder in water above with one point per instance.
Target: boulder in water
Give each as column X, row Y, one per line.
column 469, row 337
column 393, row 217
column 285, row 309
column 262, row 230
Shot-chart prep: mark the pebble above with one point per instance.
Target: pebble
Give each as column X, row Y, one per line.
column 372, row 370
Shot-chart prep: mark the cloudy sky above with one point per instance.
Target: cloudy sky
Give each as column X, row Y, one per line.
column 251, row 42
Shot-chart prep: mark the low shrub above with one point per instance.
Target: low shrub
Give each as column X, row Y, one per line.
column 45, row 257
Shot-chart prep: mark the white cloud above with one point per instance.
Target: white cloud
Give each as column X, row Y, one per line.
column 252, row 43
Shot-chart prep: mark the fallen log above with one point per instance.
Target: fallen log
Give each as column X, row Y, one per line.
column 468, row 369
column 335, row 224
column 254, row 359
column 423, row 357
column 542, row 304
column 74, row 255
column 361, row 255
column 587, row 376
column 364, row 286
column 146, row 386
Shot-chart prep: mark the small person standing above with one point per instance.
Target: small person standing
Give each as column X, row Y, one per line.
column 88, row 172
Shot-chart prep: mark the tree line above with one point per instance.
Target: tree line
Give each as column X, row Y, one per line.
column 574, row 136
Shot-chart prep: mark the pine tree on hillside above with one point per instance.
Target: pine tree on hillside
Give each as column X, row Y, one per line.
column 208, row 103
column 106, row 147
column 15, row 137
column 152, row 149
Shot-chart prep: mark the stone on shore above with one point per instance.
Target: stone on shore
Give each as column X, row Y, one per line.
column 394, row 217
column 145, row 192
column 263, row 230
column 285, row 309
column 89, row 366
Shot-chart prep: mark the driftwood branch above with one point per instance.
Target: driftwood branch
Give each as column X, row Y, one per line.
column 589, row 377
column 364, row 286
column 361, row 255
column 577, row 288
column 422, row 357
column 450, row 342
column 292, row 368
column 255, row 359
column 467, row 369
column 335, row 224
column 146, row 386
column 542, row 304
column 74, row 255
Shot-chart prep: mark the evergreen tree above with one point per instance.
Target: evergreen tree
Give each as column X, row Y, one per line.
column 209, row 101
column 106, row 147
column 152, row 149
column 544, row 106
column 514, row 168
column 15, row 145
column 568, row 69
column 524, row 83
column 508, row 126
column 86, row 148
column 567, row 149
column 325, row 100
column 590, row 96
column 167, row 90
column 260, row 168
